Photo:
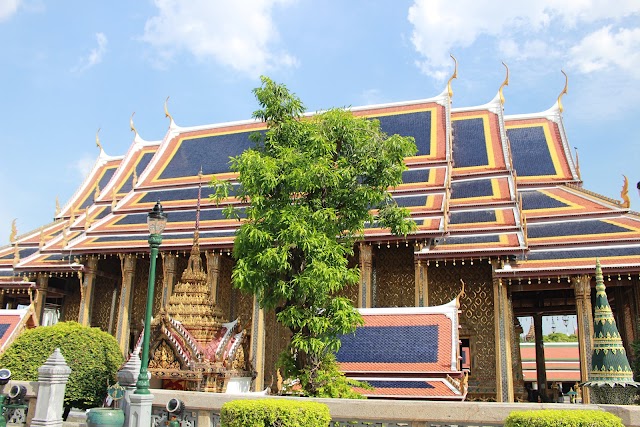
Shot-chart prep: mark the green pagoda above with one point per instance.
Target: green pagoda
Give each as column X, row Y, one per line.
column 611, row 378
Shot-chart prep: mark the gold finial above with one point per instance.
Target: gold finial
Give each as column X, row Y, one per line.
column 98, row 140
column 626, row 203
column 41, row 243
column 504, row 83
column 16, row 255
column 577, row 163
column 72, row 218
column 65, row 237
column 453, row 76
column 166, row 110
column 57, row 206
column 114, row 198
column 566, row 87
column 14, row 231
column 96, row 194
column 133, row 128
column 134, row 181
column 87, row 222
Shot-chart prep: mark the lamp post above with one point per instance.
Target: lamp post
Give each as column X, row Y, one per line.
column 156, row 220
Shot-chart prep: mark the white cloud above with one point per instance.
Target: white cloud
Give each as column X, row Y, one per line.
column 94, row 57
column 442, row 26
column 605, row 50
column 238, row 34
column 8, row 8
column 84, row 165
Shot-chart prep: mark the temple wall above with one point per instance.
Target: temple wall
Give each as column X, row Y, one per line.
column 102, row 302
column 225, row 291
column 394, row 276
column 276, row 340
column 71, row 304
column 476, row 319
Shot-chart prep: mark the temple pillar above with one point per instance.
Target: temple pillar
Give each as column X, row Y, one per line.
column 584, row 312
column 128, row 266
column 422, row 283
column 86, row 291
column 168, row 276
column 365, row 293
column 42, row 283
column 541, row 368
column 503, row 327
column 257, row 348
column 214, row 263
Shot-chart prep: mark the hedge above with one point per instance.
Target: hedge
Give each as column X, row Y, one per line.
column 93, row 356
column 562, row 418
column 274, row 412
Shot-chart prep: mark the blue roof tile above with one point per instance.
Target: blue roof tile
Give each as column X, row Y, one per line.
column 417, row 125
column 474, row 188
column 533, row 200
column 469, row 143
column 530, row 152
column 471, row 217
column 573, row 228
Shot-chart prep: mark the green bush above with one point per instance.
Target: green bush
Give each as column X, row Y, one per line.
column 93, row 356
column 274, row 412
column 562, row 418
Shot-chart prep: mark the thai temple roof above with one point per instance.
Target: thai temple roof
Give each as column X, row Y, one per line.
column 482, row 184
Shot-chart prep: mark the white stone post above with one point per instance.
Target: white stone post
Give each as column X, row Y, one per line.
column 139, row 410
column 127, row 377
column 52, row 380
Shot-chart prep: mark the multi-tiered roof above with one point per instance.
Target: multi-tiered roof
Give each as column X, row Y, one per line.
column 483, row 184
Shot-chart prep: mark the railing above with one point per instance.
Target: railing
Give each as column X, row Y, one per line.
column 203, row 409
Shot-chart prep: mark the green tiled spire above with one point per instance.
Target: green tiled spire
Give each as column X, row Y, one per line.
column 610, row 371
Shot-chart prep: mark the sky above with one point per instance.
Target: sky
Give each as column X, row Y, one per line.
column 69, row 68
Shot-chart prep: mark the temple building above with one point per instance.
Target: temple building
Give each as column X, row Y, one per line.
column 498, row 201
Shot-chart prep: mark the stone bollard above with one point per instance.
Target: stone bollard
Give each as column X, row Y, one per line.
column 52, row 380
column 127, row 378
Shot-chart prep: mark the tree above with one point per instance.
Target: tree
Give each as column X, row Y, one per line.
column 93, row 356
column 560, row 337
column 311, row 184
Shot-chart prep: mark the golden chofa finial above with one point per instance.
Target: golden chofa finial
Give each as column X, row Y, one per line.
column 626, row 202
column 504, row 83
column 57, row 206
column 14, row 231
column 166, row 110
column 453, row 76
column 98, row 140
column 133, row 128
column 577, row 163
column 564, row 91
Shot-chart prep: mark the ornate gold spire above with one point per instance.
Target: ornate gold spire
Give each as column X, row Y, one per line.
column 626, row 202
column 98, row 140
column 453, row 76
column 577, row 163
column 96, row 194
column 57, row 206
column 16, row 255
column 134, row 180
column 87, row 219
column 504, row 83
column 14, row 231
column 114, row 198
column 564, row 91
column 72, row 218
column 166, row 110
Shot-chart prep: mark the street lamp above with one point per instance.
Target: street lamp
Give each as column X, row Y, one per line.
column 156, row 220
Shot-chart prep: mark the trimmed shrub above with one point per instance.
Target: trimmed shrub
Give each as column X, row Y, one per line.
column 274, row 412
column 562, row 418
column 93, row 356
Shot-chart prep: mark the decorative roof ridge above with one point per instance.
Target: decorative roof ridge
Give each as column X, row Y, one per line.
column 100, row 162
column 32, row 233
column 568, row 217
column 394, row 311
column 599, row 196
column 493, row 106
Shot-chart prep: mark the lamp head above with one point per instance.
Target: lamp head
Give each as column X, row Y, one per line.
column 157, row 219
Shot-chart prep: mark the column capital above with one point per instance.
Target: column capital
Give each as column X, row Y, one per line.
column 581, row 285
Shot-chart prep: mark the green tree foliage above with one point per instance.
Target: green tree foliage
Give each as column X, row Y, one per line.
column 93, row 356
column 274, row 412
column 560, row 337
column 311, row 184
column 562, row 418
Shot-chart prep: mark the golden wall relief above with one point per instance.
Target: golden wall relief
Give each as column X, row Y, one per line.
column 103, row 291
column 276, row 340
column 394, row 276
column 71, row 303
column 476, row 319
column 351, row 292
column 225, row 291
column 242, row 308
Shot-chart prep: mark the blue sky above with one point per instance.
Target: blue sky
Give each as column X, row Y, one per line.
column 69, row 68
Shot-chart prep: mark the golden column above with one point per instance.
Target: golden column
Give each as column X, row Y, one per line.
column 86, row 291
column 503, row 328
column 42, row 283
column 584, row 312
column 214, row 263
column 256, row 350
column 421, row 282
column 128, row 266
column 365, row 292
column 168, row 276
